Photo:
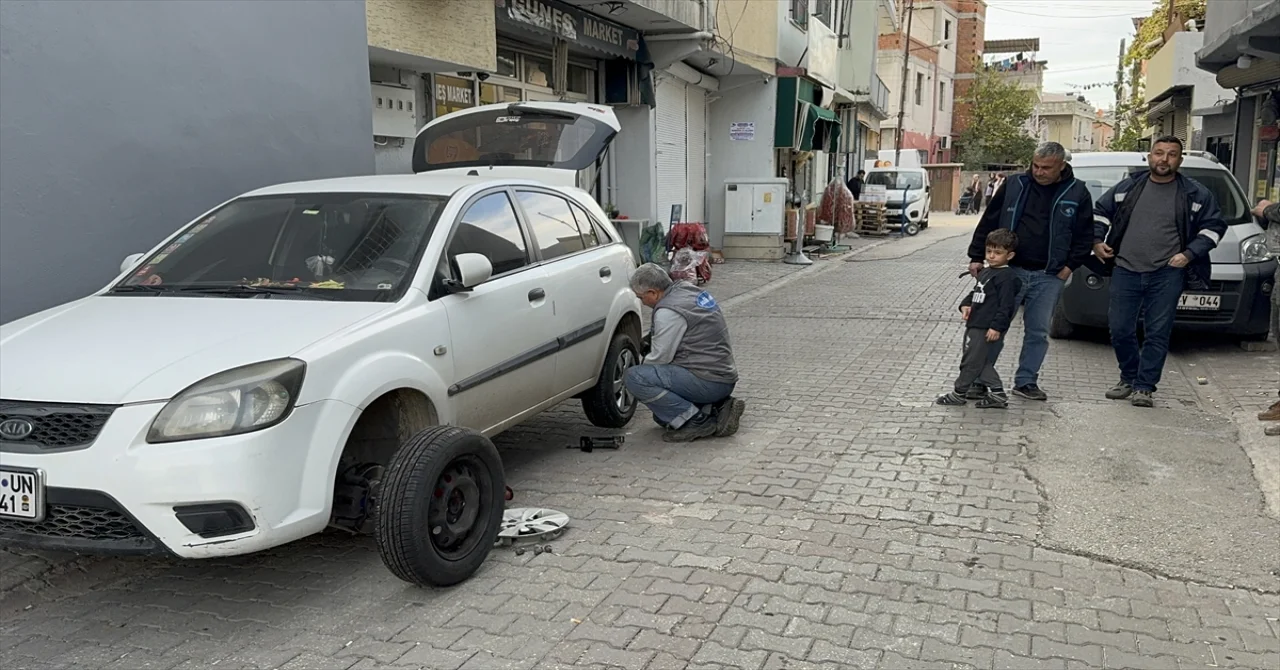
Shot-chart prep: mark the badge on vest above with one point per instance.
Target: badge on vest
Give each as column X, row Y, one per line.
column 1195, row 206
column 1069, row 211
column 705, row 301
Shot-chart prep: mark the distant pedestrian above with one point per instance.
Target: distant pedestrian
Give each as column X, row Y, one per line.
column 855, row 184
column 1052, row 213
column 989, row 192
column 988, row 312
column 1162, row 227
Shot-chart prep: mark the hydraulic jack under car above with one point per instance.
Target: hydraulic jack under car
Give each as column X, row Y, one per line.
column 588, row 444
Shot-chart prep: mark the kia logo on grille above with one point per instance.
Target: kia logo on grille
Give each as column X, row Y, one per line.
column 15, row 429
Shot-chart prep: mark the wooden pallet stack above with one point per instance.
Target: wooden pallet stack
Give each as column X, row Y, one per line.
column 870, row 218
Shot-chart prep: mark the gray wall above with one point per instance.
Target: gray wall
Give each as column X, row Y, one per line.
column 121, row 121
column 741, row 98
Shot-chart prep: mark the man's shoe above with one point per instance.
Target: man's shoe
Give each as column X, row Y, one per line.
column 700, row 426
column 1142, row 399
column 1272, row 413
column 993, row 401
column 951, row 399
column 1272, row 430
column 1120, row 391
column 975, row 392
column 1030, row 392
column 728, row 413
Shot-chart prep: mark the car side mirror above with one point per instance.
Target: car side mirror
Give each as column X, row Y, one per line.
column 129, row 261
column 473, row 270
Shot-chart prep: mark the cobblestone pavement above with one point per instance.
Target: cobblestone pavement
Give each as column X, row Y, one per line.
column 849, row 524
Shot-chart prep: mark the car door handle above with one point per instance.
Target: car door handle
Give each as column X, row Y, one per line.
column 606, row 271
column 537, row 294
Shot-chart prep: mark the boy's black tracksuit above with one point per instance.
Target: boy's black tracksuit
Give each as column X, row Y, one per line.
column 992, row 304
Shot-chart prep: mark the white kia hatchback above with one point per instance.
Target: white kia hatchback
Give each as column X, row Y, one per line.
column 329, row 353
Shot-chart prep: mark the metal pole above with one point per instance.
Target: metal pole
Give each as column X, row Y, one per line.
column 902, row 97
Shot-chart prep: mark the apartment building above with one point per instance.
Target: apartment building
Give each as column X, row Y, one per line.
column 1104, row 130
column 1242, row 51
column 1183, row 100
column 922, row 64
column 1065, row 119
column 125, row 120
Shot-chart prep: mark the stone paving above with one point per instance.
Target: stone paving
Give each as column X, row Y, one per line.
column 849, row 524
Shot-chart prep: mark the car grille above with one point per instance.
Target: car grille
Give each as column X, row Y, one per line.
column 72, row 521
column 56, row 426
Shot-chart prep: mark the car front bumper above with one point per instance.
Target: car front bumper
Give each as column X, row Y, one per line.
column 193, row 499
column 1244, row 307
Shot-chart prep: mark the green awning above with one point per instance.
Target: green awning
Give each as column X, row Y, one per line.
column 820, row 131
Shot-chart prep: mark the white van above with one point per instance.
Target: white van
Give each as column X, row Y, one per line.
column 908, row 195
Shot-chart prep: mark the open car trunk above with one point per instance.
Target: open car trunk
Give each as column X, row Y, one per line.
column 552, row 142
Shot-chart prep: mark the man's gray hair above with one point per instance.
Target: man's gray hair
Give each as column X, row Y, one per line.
column 1052, row 150
column 650, row 277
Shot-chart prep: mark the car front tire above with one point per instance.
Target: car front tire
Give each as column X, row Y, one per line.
column 440, row 506
column 609, row 404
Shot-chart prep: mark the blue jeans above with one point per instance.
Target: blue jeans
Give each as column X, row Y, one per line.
column 672, row 393
column 1151, row 297
column 1038, row 297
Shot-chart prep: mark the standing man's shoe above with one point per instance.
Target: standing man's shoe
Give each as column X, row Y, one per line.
column 1030, row 392
column 976, row 392
column 1272, row 413
column 1142, row 399
column 1120, row 391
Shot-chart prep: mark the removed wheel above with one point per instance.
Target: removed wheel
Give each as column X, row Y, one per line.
column 1059, row 327
column 609, row 404
column 439, row 508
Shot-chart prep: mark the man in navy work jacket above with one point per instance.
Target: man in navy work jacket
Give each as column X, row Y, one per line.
column 1162, row 227
column 1052, row 214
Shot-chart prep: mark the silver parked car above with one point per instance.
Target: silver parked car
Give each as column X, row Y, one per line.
column 1238, row 299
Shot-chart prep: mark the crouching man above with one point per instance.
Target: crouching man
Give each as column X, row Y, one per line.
column 688, row 373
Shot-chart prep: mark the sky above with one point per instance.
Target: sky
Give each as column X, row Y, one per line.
column 1079, row 38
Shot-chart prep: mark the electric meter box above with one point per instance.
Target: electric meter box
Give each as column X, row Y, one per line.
column 393, row 112
column 755, row 206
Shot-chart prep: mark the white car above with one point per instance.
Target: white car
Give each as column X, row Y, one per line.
column 330, row 353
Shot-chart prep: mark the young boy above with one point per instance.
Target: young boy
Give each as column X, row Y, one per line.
column 988, row 311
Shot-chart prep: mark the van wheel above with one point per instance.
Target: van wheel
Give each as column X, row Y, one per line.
column 911, row 228
column 609, row 404
column 1059, row 327
column 440, row 506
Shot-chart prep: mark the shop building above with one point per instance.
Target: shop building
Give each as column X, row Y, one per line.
column 1242, row 50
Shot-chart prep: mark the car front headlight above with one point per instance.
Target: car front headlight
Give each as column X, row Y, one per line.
column 239, row 400
column 1254, row 250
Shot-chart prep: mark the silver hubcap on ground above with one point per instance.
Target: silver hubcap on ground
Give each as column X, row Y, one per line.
column 621, row 396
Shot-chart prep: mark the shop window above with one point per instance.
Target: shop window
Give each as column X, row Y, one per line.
column 507, row 64
column 537, row 71
column 495, row 93
column 580, row 80
column 552, row 224
column 490, row 228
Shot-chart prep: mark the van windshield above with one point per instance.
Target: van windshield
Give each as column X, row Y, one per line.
column 1220, row 183
column 896, row 181
column 336, row 246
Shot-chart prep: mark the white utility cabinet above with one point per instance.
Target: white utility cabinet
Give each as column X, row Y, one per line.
column 393, row 114
column 755, row 206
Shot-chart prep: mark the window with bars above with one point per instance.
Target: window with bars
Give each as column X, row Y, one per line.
column 800, row 12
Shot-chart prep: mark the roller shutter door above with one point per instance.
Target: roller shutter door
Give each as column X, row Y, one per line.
column 696, row 162
column 672, row 111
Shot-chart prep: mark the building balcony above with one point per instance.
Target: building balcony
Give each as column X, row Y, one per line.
column 654, row 16
column 865, row 88
column 1173, row 70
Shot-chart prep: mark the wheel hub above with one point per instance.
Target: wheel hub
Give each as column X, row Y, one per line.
column 621, row 396
column 455, row 507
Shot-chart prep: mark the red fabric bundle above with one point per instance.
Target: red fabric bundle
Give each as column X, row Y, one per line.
column 691, row 236
column 837, row 206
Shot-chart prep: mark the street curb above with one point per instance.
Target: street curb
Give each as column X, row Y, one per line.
column 818, row 267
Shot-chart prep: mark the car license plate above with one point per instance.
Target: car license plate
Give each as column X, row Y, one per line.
column 1199, row 302
column 21, row 495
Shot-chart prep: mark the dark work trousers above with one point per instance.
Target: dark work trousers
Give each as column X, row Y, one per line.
column 978, row 362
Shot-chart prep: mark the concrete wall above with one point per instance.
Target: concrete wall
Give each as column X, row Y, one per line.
column 753, row 29
column 435, row 35
column 1175, row 65
column 122, row 121
column 745, row 100
column 1220, row 15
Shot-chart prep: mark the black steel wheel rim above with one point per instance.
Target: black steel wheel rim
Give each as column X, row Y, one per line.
column 459, row 507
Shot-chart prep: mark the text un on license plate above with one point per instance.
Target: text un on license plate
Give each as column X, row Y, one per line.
column 1199, row 302
column 21, row 495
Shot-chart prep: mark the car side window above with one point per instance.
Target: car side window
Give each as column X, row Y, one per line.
column 594, row 233
column 553, row 224
column 491, row 228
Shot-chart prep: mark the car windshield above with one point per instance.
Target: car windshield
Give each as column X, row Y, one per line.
column 511, row 136
column 1220, row 183
column 338, row 246
column 896, row 181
